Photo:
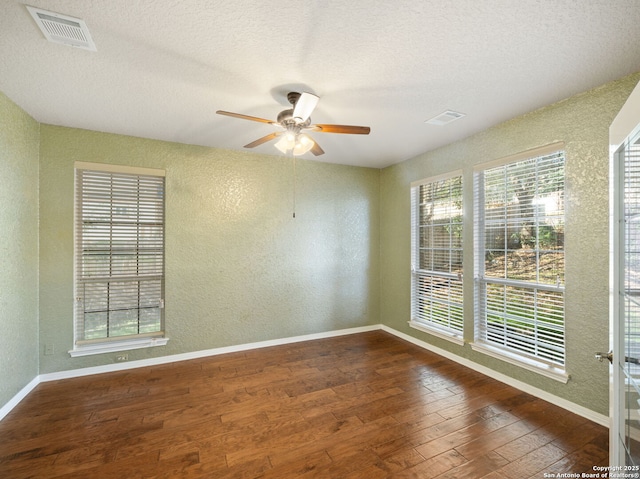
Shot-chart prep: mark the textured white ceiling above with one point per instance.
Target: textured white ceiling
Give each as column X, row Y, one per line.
column 163, row 67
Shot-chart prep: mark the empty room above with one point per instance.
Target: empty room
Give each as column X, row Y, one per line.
column 319, row 239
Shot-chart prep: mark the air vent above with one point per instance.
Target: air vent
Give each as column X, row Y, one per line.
column 58, row 28
column 444, row 118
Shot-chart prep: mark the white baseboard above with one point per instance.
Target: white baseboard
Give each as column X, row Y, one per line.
column 15, row 400
column 108, row 368
column 539, row 393
column 563, row 403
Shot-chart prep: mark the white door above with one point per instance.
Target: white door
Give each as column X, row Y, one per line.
column 624, row 142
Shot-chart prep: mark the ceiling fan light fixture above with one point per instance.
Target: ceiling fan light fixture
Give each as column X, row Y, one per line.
column 287, row 142
column 303, row 144
column 298, row 143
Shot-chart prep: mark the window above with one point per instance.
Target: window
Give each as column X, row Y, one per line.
column 519, row 256
column 119, row 258
column 436, row 211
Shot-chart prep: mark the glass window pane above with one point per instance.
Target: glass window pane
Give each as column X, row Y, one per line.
column 521, row 222
column 437, row 254
column 119, row 254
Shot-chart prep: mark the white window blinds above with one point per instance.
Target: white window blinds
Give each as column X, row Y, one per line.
column 119, row 255
column 436, row 211
column 519, row 241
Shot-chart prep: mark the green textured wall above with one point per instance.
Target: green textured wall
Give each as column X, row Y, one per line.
column 239, row 267
column 582, row 123
column 18, row 249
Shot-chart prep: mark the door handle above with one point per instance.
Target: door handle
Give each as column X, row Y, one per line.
column 602, row 356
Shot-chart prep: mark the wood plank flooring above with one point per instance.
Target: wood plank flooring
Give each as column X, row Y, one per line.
column 360, row 406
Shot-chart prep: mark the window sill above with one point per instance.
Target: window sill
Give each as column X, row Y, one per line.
column 554, row 372
column 115, row 346
column 439, row 333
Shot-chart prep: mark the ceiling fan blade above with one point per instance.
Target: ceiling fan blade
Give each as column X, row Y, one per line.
column 264, row 139
column 316, row 150
column 348, row 129
column 244, row 117
column 305, row 105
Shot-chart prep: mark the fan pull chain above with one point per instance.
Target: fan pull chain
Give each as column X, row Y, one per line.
column 295, row 179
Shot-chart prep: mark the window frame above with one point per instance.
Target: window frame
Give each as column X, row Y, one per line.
column 452, row 280
column 534, row 362
column 83, row 346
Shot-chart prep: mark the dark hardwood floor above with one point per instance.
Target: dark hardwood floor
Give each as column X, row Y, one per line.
column 359, row 406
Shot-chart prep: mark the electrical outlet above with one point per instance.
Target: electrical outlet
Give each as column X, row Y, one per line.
column 121, row 358
column 49, row 349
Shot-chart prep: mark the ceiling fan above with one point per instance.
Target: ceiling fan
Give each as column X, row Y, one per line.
column 293, row 121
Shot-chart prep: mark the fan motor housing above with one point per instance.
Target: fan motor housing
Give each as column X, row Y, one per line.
column 285, row 118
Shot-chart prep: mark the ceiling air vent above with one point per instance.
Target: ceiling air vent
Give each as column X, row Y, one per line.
column 58, row 28
column 444, row 118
